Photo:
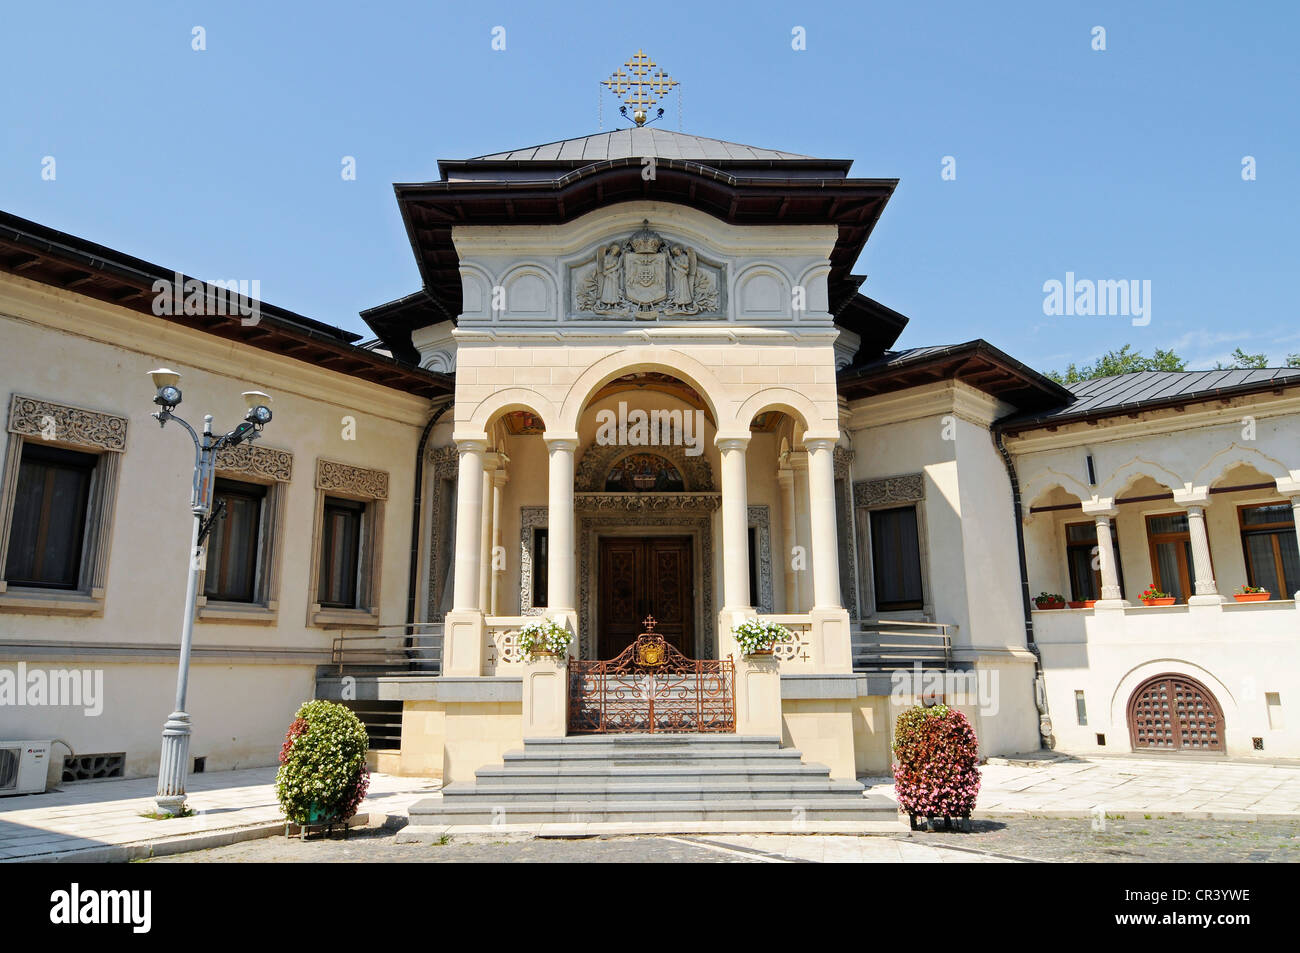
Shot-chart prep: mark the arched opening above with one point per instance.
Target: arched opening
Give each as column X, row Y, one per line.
column 1173, row 712
column 645, row 496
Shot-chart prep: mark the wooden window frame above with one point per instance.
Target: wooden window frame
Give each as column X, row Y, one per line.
column 271, row 468
column 44, row 422
column 361, row 485
column 1187, row 570
column 1092, row 547
column 912, row 605
column 1272, row 529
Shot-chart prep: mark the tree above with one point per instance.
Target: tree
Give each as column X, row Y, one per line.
column 1123, row 361
column 1241, row 361
column 1293, row 360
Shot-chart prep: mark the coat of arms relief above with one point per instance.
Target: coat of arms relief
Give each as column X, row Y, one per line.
column 646, row 276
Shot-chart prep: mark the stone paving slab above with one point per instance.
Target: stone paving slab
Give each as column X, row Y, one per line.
column 102, row 820
column 1194, row 790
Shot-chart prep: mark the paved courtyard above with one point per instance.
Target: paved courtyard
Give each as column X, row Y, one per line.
column 1186, row 787
column 1066, row 810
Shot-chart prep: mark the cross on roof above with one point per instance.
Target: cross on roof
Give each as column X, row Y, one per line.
column 645, row 84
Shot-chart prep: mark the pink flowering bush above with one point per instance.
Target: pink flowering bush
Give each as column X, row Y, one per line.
column 936, row 771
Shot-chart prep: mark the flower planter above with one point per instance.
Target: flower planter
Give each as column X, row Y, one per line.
column 1160, row 602
column 767, row 651
column 1251, row 596
column 1084, row 604
column 1050, row 605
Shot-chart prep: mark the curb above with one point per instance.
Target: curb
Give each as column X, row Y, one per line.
column 184, row 843
column 1131, row 814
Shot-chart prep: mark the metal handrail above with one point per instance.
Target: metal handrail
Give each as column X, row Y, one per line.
column 355, row 647
column 885, row 645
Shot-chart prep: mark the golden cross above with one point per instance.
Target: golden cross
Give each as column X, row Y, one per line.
column 644, row 86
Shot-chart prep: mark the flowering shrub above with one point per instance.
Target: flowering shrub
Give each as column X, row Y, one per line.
column 1151, row 592
column 546, row 635
column 936, row 755
column 323, row 775
column 1048, row 598
column 759, row 635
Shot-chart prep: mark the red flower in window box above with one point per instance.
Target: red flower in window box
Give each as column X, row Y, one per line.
column 1152, row 596
column 1252, row 594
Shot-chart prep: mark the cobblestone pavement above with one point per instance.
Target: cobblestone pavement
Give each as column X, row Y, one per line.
column 1128, row 839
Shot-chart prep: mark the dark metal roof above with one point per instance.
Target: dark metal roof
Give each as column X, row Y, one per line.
column 1147, row 390
column 643, row 141
column 39, row 253
column 977, row 363
column 558, row 182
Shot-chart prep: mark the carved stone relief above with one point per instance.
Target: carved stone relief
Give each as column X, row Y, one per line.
column 909, row 488
column 257, row 461
column 344, row 478
column 645, row 276
column 597, row 461
column 62, row 423
column 760, row 518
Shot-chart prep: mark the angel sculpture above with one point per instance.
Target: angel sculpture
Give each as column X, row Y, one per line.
column 683, row 276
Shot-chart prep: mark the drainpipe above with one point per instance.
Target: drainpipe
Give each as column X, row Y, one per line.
column 413, row 580
column 1045, row 739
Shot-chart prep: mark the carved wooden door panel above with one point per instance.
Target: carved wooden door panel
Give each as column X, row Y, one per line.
column 642, row 576
column 1175, row 713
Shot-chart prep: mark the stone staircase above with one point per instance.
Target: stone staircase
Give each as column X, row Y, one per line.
column 653, row 783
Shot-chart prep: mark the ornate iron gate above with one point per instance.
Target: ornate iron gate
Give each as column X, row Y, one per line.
column 652, row 687
column 1175, row 713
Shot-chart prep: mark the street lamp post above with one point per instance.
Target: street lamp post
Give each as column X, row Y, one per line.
column 176, row 730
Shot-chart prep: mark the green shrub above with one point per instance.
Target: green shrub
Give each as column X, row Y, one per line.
column 323, row 775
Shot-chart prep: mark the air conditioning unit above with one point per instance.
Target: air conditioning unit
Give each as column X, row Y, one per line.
column 24, row 766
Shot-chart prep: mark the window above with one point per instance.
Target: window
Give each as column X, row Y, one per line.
column 49, row 519
column 753, row 567
column 1080, row 709
column 340, row 553
column 344, row 579
column 1081, row 557
column 235, row 542
column 541, row 560
column 896, row 559
column 58, row 487
column 1272, row 555
column 1171, row 554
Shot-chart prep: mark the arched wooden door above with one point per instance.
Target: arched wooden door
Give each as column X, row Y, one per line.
column 1174, row 713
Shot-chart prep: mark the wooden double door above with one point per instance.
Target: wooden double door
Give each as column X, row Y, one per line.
column 641, row 576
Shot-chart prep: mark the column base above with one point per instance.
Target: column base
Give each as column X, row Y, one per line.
column 1207, row 600
column 1112, row 604
column 758, row 696
column 546, row 697
column 464, row 633
column 832, row 644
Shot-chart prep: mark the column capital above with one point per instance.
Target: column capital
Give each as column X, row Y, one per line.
column 1289, row 487
column 560, row 440
column 814, row 443
column 1193, row 496
column 1100, row 508
column 731, row 441
column 470, row 441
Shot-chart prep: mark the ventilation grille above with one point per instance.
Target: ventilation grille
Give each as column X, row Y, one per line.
column 90, row 767
column 9, row 767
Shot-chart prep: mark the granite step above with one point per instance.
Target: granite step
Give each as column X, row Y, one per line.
column 437, row 812
column 563, row 791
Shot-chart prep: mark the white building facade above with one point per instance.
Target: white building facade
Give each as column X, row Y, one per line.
column 619, row 396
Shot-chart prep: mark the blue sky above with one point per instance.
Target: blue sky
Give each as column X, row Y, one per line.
column 1116, row 164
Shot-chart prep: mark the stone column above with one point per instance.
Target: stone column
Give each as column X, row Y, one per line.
column 463, row 630
column 1102, row 512
column 485, row 536
column 785, row 477
column 1207, row 592
column 469, row 524
column 1295, row 509
column 830, row 620
column 802, row 530
column 735, row 523
column 499, row 480
column 561, row 595
column 821, row 505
